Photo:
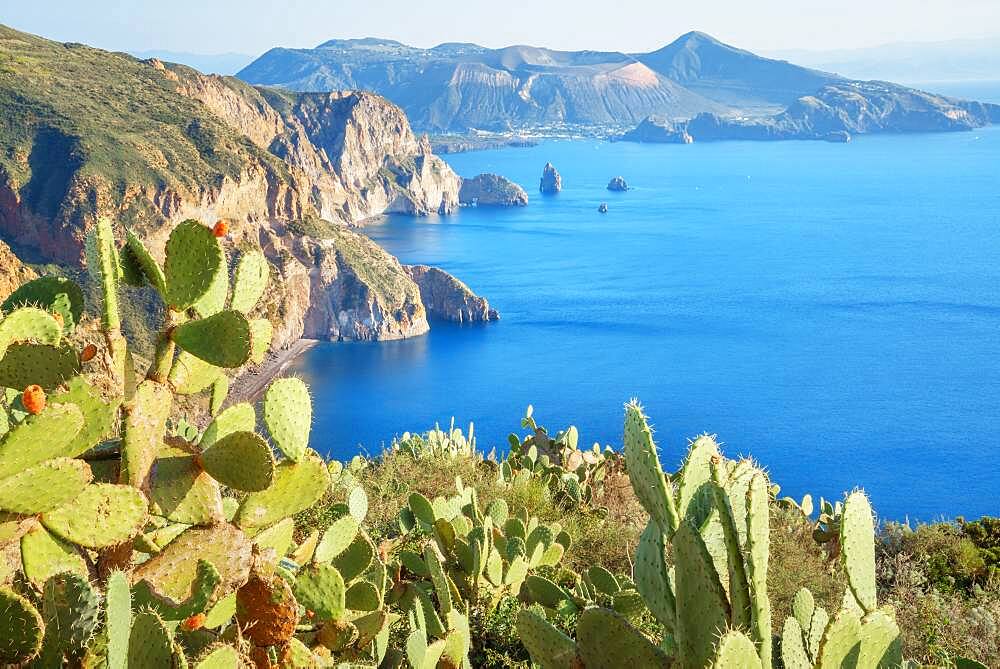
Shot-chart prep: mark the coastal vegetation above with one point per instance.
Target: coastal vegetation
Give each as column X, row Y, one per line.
column 152, row 517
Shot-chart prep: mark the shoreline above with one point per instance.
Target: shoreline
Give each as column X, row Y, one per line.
column 250, row 385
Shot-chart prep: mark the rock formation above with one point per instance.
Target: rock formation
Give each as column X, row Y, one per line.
column 12, row 272
column 287, row 171
column 447, row 298
column 603, row 208
column 658, row 131
column 551, row 180
column 492, row 190
column 618, row 184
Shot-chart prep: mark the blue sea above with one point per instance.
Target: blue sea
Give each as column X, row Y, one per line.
column 832, row 310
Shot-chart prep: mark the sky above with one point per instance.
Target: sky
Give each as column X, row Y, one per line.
column 253, row 26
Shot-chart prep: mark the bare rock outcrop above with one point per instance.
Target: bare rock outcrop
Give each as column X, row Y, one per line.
column 13, row 272
column 618, row 184
column 551, row 179
column 492, row 190
column 447, row 298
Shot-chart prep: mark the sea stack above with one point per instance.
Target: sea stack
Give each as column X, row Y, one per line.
column 618, row 184
column 551, row 180
column 491, row 190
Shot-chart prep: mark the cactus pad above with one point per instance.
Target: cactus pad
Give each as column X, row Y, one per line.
column 220, row 656
column 172, row 573
column 193, row 259
column 71, row 609
column 145, row 425
column 150, row 268
column 650, row 484
column 240, row 460
column 103, row 268
column 150, row 644
column 266, row 611
column 103, row 515
column 117, row 619
column 251, row 278
column 694, row 495
column 48, row 435
column 190, row 375
column 857, row 541
column 182, row 491
column 607, row 641
column 220, row 393
column 793, row 649
column 42, row 364
column 288, row 415
column 341, row 534
column 28, row 324
column 700, row 596
column 841, row 641
column 214, row 300
column 203, row 593
column 44, row 486
column 320, row 588
column 736, row 651
column 223, row 339
column 237, row 418
column 55, row 294
column 21, row 628
column 355, row 560
column 262, row 333
column 43, row 556
column 652, row 578
column 98, row 414
column 880, row 642
column 297, row 486
column 362, row 596
column 757, row 557
column 549, row 648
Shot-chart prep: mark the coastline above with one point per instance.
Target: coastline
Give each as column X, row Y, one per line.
column 251, row 384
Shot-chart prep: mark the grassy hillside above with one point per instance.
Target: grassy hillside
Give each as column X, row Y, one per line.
column 69, row 109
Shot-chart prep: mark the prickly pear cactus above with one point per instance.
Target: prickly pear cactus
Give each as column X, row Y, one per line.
column 21, row 628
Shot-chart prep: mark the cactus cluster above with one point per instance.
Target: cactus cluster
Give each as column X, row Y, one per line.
column 437, row 442
column 474, row 554
column 711, row 595
column 572, row 474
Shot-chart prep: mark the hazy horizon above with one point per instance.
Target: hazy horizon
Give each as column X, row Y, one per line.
column 254, row 26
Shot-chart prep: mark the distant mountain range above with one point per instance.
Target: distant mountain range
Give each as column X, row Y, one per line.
column 909, row 62
column 460, row 86
column 457, row 87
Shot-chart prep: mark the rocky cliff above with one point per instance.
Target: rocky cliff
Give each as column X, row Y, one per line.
column 87, row 133
column 12, row 272
column 447, row 298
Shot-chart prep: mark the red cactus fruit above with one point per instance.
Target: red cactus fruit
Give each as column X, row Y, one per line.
column 33, row 399
column 195, row 622
column 221, row 229
column 88, row 353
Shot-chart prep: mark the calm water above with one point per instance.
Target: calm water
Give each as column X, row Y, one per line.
column 832, row 310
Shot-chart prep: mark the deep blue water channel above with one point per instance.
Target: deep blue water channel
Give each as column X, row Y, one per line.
column 832, row 310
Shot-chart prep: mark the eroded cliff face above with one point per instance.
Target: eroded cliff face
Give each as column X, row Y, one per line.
column 449, row 299
column 148, row 144
column 12, row 272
